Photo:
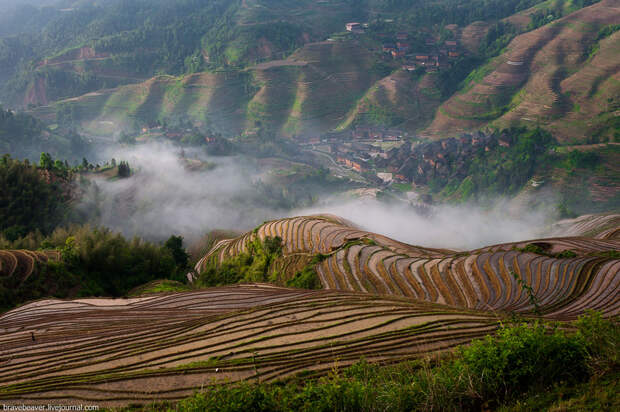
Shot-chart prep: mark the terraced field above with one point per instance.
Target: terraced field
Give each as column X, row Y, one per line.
column 19, row 265
column 559, row 75
column 115, row 352
column 566, row 274
column 382, row 300
column 311, row 92
column 399, row 100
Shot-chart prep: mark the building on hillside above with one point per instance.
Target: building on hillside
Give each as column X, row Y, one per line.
column 398, row 53
column 503, row 142
column 451, row 43
column 355, row 27
column 409, row 67
column 401, row 36
column 453, row 54
column 385, row 176
column 399, row 178
column 358, row 167
column 389, row 47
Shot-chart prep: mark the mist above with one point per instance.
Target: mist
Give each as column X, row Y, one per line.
column 460, row 227
column 164, row 197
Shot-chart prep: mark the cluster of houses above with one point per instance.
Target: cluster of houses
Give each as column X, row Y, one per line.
column 419, row 163
column 439, row 58
column 416, row 163
column 360, row 149
column 398, row 47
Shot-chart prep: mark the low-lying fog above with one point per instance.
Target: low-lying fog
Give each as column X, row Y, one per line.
column 462, row 227
column 164, row 197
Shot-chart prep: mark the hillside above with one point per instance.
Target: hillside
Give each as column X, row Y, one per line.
column 565, row 274
column 308, row 93
column 562, row 76
column 287, row 79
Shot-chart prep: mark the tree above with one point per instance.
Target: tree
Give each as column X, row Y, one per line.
column 123, row 169
column 46, row 161
column 175, row 244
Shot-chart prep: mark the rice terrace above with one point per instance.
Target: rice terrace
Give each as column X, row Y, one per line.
column 381, row 300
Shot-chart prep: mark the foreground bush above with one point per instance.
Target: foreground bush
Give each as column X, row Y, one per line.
column 519, row 360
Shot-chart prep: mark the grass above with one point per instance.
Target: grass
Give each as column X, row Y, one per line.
column 160, row 286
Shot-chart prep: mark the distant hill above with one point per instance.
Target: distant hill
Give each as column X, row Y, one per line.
column 561, row 76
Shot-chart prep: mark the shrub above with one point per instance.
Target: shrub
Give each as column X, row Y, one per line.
column 252, row 266
column 307, row 278
column 497, row 368
column 523, row 357
column 600, row 338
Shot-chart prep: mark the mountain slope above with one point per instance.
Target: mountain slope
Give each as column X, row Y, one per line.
column 546, row 77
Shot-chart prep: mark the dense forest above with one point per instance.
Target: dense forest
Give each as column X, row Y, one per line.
column 32, row 198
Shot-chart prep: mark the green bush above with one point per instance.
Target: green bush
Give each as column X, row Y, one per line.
column 252, row 266
column 307, row 278
column 600, row 338
column 523, row 357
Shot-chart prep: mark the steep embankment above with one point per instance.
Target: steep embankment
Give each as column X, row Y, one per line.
column 566, row 275
column 563, row 76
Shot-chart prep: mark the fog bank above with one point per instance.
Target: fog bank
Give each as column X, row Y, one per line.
column 165, row 197
column 462, row 227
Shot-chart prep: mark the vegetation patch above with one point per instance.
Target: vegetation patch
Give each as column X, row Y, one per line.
column 251, row 266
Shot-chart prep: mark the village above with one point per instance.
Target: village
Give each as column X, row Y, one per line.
column 393, row 156
column 384, row 156
column 398, row 47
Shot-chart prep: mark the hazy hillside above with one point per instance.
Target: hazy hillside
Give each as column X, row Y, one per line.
column 310, row 205
column 557, row 76
column 562, row 76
